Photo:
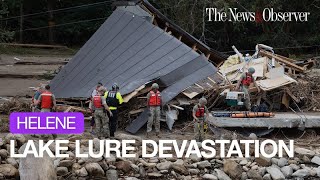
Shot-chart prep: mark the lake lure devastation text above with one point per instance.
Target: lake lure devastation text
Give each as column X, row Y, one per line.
column 266, row 15
column 161, row 148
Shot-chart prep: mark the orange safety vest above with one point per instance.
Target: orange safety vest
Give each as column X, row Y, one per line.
column 97, row 102
column 46, row 100
column 200, row 111
column 155, row 98
column 247, row 80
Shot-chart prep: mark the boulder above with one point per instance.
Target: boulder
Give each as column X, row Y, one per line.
column 316, row 160
column 81, row 172
column 253, row 174
column 62, row 171
column 180, row 169
column 8, row 170
column 194, row 171
column 66, row 163
column 263, row 161
column 221, row 175
column 135, row 167
column 275, row 173
column 31, row 168
column 301, row 173
column 303, row 151
column 267, row 177
column 3, row 153
column 94, row 169
column 164, row 165
column 204, row 164
column 112, row 174
column 232, row 168
column 154, row 175
column 13, row 162
column 282, row 162
column 123, row 166
column 287, row 171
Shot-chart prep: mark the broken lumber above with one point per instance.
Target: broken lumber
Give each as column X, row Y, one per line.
column 286, row 62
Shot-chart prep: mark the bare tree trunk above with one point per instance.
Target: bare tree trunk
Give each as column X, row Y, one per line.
column 51, row 22
column 21, row 23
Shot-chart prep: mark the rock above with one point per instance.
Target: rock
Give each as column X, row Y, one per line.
column 316, row 160
column 81, row 161
column 142, row 172
column 81, row 172
column 131, row 178
column 180, row 169
column 195, row 158
column 294, row 167
column 318, row 171
column 3, row 153
column 253, row 136
column 164, row 171
column 164, row 165
column 301, row 173
column 96, row 143
column 9, row 137
column 244, row 176
column 287, row 171
column 221, row 175
column 243, row 162
column 8, row 170
column 154, row 175
column 263, row 161
column 255, row 167
column 233, row 169
column 13, row 162
column 267, row 177
column 282, row 162
column 179, row 161
column 123, row 166
column 262, row 170
column 135, row 167
column 303, row 151
column 66, row 163
column 75, row 167
column 112, row 174
column 62, row 171
column 153, row 160
column 20, row 139
column 305, row 159
column 31, row 168
column 194, row 171
column 209, row 177
column 245, row 168
column 274, row 161
column 204, row 164
column 275, row 173
column 253, row 174
column 94, row 169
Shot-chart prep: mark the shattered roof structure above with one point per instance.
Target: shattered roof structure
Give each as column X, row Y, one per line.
column 132, row 48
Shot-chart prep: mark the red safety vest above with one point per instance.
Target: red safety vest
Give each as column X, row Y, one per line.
column 155, row 98
column 97, row 102
column 200, row 111
column 46, row 100
column 247, row 80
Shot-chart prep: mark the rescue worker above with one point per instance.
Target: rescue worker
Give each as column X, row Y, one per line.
column 154, row 103
column 46, row 100
column 94, row 93
column 36, row 108
column 244, row 83
column 100, row 107
column 200, row 114
column 114, row 99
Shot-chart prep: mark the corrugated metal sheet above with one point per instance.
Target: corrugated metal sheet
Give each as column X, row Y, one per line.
column 126, row 49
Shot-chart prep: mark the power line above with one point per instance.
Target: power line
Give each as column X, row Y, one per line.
column 64, row 24
column 56, row 10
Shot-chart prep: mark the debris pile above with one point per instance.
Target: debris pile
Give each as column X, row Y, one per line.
column 14, row 105
column 281, row 79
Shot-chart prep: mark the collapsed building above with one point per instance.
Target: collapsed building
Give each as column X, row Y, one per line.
column 137, row 45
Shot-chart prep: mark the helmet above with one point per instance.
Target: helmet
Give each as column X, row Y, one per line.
column 155, row 86
column 251, row 70
column 203, row 101
column 115, row 86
